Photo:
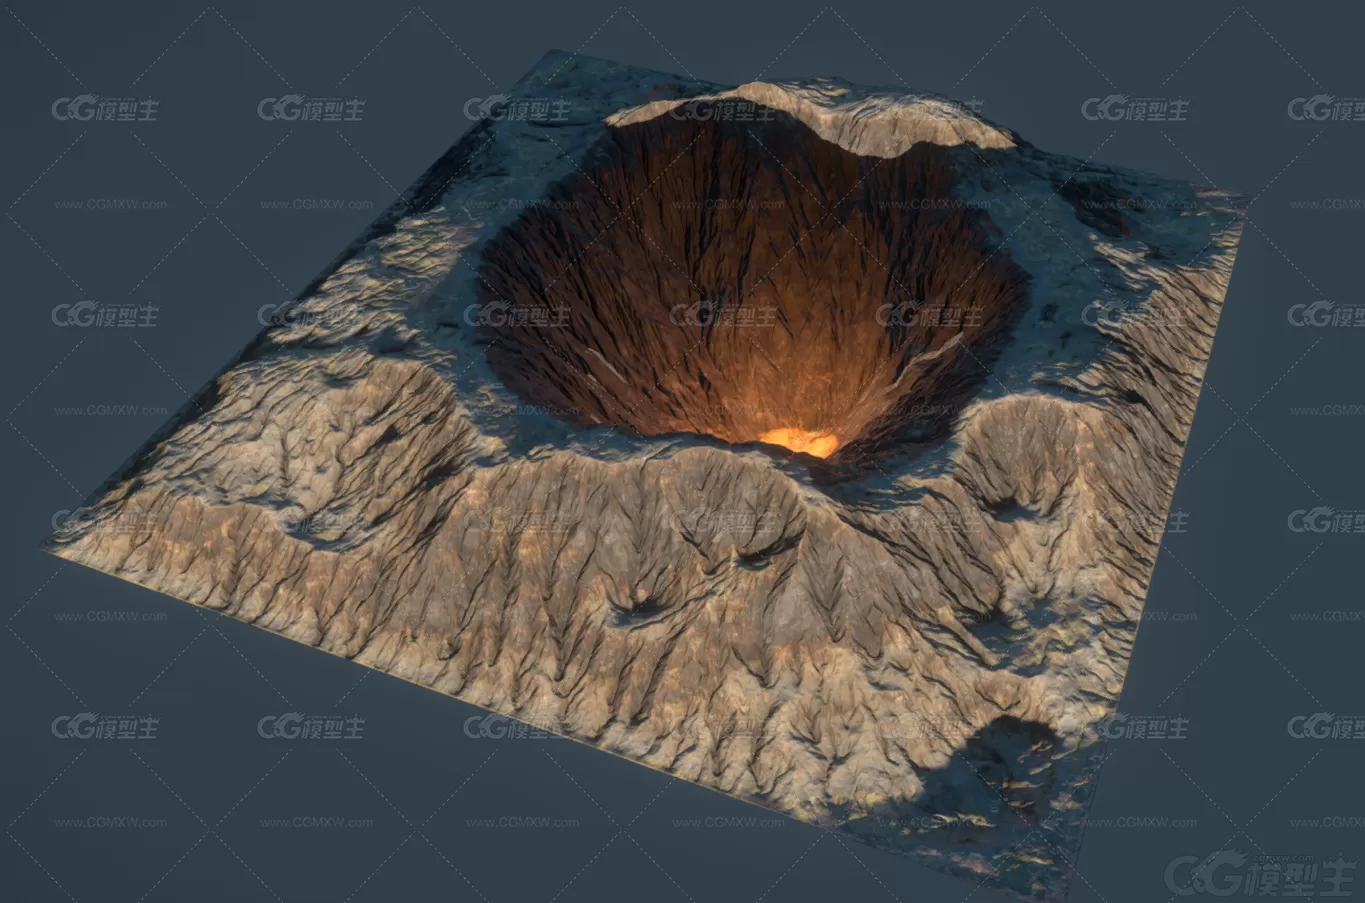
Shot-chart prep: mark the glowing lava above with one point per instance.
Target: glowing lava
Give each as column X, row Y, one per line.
column 821, row 445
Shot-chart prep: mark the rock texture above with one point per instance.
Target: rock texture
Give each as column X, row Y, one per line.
column 581, row 523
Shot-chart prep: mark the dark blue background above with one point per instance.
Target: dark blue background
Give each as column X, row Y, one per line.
column 1228, row 654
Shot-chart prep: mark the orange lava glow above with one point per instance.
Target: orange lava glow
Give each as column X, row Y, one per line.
column 821, row 445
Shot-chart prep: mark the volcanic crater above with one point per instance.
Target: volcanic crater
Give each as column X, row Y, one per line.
column 756, row 283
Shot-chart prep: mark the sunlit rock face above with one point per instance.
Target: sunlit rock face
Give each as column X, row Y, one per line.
column 754, row 282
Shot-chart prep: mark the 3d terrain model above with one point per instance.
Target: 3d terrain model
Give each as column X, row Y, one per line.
column 808, row 441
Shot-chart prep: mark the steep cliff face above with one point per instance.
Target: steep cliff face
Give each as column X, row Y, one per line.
column 588, row 522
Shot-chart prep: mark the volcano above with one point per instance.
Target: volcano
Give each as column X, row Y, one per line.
column 808, row 441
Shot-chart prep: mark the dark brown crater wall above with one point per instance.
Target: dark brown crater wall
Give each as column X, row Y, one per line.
column 738, row 278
